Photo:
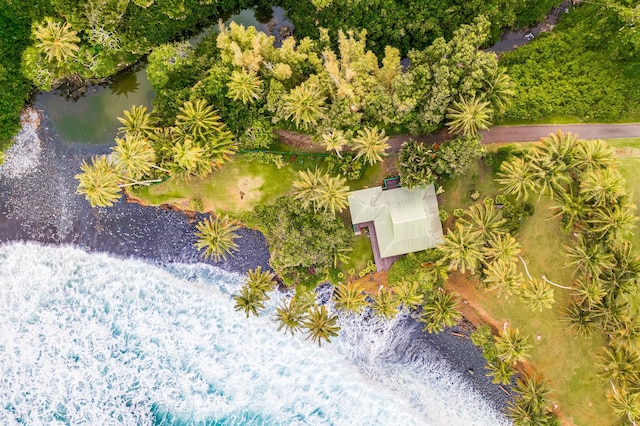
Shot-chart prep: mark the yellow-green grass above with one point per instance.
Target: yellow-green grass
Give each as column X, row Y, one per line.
column 360, row 256
column 235, row 189
column 545, row 120
column 240, row 185
column 456, row 191
column 567, row 361
column 628, row 151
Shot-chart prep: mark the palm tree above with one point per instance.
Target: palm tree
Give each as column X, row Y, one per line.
column 511, row 346
column 134, row 156
column 588, row 258
column 245, row 86
column 533, row 398
column 307, row 188
column 613, row 223
column 549, row 175
column 581, row 321
column 627, row 332
column 305, row 104
column 440, row 311
column 137, row 122
column 517, row 177
column 503, row 277
column 573, row 208
column 334, row 140
column 620, row 364
column 197, row 120
column 593, row 154
column 435, row 272
column 589, row 291
column 190, row 159
column 320, row 325
column 260, row 281
column 500, row 372
column 408, row 294
column 350, row 297
column 216, row 236
column 370, row 144
column 602, row 187
column 99, row 182
column 463, row 248
column 290, row 315
column 502, row 247
column 332, row 196
column 469, row 116
column 384, row 304
column 558, row 148
column 57, row 41
column 499, row 91
column 485, row 219
column 625, row 404
column 249, row 301
column 538, row 294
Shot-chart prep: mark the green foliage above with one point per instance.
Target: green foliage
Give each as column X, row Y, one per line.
column 410, row 267
column 265, row 158
column 587, row 67
column 416, row 164
column 515, row 213
column 347, row 166
column 483, row 337
column 495, row 158
column 298, row 237
column 408, row 24
column 453, row 158
column 216, row 237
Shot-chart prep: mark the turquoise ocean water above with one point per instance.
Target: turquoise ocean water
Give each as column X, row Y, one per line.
column 91, row 339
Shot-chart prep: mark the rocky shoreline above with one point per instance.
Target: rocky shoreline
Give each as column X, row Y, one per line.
column 38, row 203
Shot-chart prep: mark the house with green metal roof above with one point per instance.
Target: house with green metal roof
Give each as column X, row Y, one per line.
column 399, row 221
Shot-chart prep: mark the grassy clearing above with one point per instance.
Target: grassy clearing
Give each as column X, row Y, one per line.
column 628, row 151
column 456, row 191
column 237, row 188
column 567, row 361
column 360, row 255
column 546, row 120
column 240, row 185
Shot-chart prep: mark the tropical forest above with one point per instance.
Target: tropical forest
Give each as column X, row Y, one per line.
column 228, row 145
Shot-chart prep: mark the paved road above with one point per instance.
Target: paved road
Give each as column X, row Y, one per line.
column 533, row 133
column 500, row 134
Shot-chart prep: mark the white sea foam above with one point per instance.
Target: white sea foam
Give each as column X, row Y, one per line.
column 90, row 339
column 24, row 154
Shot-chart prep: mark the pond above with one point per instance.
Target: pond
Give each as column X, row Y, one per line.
column 92, row 118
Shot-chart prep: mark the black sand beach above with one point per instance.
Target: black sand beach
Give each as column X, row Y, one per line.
column 38, row 203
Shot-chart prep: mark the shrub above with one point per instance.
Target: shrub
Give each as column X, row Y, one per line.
column 504, row 153
column 458, row 212
column 443, row 215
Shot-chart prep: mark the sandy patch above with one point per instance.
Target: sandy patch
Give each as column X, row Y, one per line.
column 627, row 152
column 246, row 193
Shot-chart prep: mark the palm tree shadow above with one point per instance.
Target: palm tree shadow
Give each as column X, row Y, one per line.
column 127, row 84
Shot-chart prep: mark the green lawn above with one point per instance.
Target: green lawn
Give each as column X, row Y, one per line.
column 234, row 189
column 628, row 151
column 456, row 191
column 360, row 255
column 240, row 185
column 567, row 361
